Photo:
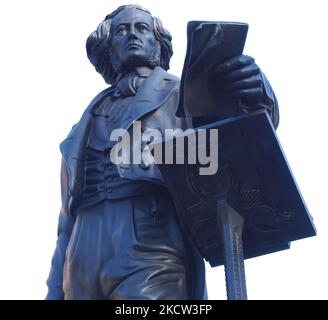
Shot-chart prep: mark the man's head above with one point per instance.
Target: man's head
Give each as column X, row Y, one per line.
column 128, row 37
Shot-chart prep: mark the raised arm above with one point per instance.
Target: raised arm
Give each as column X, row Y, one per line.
column 242, row 78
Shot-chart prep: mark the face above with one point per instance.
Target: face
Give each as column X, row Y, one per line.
column 133, row 42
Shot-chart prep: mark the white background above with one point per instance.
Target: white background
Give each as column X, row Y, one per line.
column 46, row 81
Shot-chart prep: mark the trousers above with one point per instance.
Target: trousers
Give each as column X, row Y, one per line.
column 129, row 248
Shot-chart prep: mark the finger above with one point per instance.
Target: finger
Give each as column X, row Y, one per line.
column 251, row 93
column 240, row 74
column 252, row 82
column 233, row 64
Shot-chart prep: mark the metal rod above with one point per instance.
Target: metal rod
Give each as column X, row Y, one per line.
column 231, row 227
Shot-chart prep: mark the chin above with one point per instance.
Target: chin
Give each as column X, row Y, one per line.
column 136, row 60
column 133, row 60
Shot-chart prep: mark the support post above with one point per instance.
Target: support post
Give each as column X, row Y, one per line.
column 230, row 224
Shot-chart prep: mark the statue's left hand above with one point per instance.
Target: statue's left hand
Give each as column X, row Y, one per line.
column 241, row 77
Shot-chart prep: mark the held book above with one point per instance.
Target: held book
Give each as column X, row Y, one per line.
column 208, row 45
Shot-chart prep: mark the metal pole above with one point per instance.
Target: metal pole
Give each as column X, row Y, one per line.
column 231, row 227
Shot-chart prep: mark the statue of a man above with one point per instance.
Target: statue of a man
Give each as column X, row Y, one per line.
column 118, row 233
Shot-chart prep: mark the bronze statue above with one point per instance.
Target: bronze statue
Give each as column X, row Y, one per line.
column 118, row 233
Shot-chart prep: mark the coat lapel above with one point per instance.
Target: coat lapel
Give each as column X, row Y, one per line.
column 73, row 147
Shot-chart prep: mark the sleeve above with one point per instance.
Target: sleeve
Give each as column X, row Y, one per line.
column 269, row 102
column 272, row 102
column 65, row 226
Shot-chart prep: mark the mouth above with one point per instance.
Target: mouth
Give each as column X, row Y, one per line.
column 132, row 46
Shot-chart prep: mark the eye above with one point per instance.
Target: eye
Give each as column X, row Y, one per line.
column 121, row 30
column 143, row 27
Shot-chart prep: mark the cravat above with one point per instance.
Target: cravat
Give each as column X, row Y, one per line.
column 127, row 87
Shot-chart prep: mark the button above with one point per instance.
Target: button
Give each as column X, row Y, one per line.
column 109, row 190
column 110, row 179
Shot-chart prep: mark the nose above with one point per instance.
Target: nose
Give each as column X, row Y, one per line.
column 132, row 33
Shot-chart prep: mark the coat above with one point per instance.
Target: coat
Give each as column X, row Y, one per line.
column 155, row 104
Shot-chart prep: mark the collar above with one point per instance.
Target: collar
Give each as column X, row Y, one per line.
column 142, row 72
column 126, row 86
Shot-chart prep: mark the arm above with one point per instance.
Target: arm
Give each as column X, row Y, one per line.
column 65, row 226
column 268, row 101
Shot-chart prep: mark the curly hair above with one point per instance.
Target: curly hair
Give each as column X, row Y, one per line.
column 98, row 43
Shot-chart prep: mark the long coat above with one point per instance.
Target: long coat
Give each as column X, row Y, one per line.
column 155, row 104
